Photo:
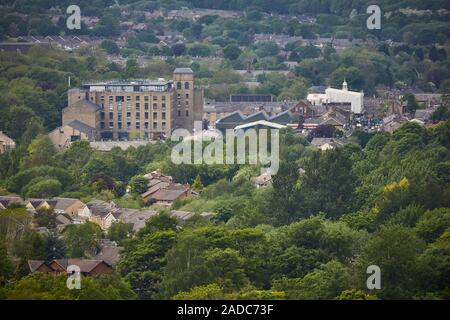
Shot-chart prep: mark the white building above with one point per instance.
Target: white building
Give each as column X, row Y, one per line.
column 331, row 95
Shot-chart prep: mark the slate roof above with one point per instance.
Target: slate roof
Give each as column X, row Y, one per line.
column 85, row 265
column 35, row 264
column 6, row 201
column 109, row 254
column 82, row 127
column 101, row 208
column 168, row 194
column 86, row 104
column 318, row 142
column 183, row 70
column 64, row 203
column 136, row 217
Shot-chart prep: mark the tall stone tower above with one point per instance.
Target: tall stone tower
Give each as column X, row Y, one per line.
column 187, row 104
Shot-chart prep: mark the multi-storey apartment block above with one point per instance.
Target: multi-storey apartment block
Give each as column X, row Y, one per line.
column 135, row 109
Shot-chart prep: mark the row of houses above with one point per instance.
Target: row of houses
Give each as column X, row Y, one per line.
column 62, row 266
column 162, row 190
column 70, row 211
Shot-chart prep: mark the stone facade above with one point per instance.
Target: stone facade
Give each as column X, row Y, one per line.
column 141, row 109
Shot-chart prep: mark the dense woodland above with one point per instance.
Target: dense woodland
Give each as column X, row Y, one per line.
column 382, row 199
column 309, row 236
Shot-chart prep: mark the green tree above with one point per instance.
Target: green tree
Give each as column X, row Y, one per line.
column 232, row 51
column 82, row 239
column 138, row 185
column 198, row 185
column 395, row 249
column 411, row 103
column 142, row 265
column 45, row 188
column 325, row 282
column 110, row 46
column 42, row 286
column 119, row 231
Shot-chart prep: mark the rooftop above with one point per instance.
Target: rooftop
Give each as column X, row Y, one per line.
column 183, row 70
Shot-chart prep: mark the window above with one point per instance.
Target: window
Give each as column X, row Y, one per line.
column 163, row 98
column 111, row 125
column 187, row 95
column 119, row 125
column 155, row 116
column 155, row 98
column 163, row 125
column 146, row 115
column 138, row 115
column 163, row 116
column 186, row 102
column 155, row 125
column 155, row 106
column 111, row 99
column 145, row 98
column 186, row 85
column 128, row 125
column 138, row 125
column 102, row 125
column 128, row 115
column 179, row 95
column 146, row 106
column 178, row 85
column 119, row 117
column 179, row 113
column 102, row 115
column 128, row 98
column 163, row 106
column 111, row 107
column 138, row 98
column 111, row 115
column 138, row 105
column 146, row 125
column 187, row 113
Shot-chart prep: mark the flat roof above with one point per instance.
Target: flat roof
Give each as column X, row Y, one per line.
column 139, row 82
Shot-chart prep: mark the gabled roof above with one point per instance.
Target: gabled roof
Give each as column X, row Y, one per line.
column 64, row 203
column 35, row 203
column 35, row 264
column 282, row 118
column 109, row 254
column 168, row 194
column 260, row 115
column 85, row 265
column 63, row 219
column 260, row 123
column 136, row 217
column 101, row 208
column 235, row 116
column 6, row 201
column 86, row 104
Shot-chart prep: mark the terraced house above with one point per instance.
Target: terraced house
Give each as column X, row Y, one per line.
column 128, row 110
